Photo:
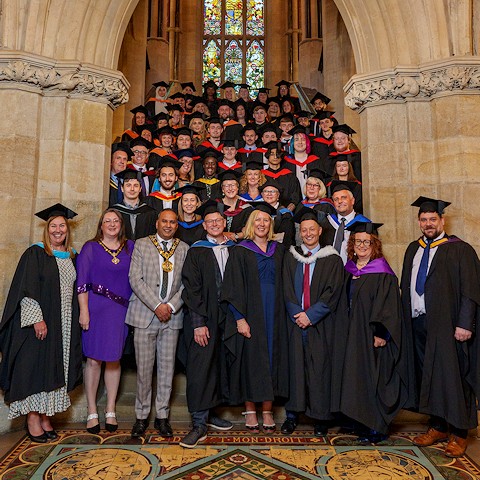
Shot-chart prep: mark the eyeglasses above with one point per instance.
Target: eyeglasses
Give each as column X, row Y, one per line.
column 139, row 152
column 312, row 185
column 270, row 192
column 215, row 221
column 108, row 220
column 359, row 242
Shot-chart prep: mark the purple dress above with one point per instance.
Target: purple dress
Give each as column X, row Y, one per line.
column 108, row 294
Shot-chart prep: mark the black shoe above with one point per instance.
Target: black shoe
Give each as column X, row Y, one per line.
column 194, row 437
column 163, row 427
column 139, row 428
column 288, row 427
column 37, row 439
column 218, row 423
column 51, row 434
column 320, row 430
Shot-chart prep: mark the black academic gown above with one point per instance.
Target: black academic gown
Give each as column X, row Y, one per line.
column 145, row 223
column 371, row 384
column 283, row 223
column 205, row 366
column 30, row 365
column 288, row 181
column 250, row 378
column 190, row 232
column 310, row 351
column 114, row 194
column 450, row 376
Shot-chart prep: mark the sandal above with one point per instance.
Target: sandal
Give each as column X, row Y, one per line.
column 269, row 428
column 110, row 427
column 96, row 428
column 252, row 428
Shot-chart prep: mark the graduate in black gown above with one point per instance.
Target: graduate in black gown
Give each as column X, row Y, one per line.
column 139, row 218
column 120, row 156
column 40, row 335
column 190, row 224
column 255, row 329
column 372, row 377
column 203, row 324
column 313, row 281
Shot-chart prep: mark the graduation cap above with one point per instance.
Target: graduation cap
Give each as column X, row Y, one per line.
column 297, row 129
column 271, row 182
column 229, row 175
column 238, row 102
column 185, row 152
column 177, row 95
column 227, row 84
column 198, row 100
column 223, row 101
column 183, row 131
column 140, row 141
column 122, row 147
column 139, row 109
column 166, row 130
column 341, row 157
column 161, row 84
column 210, row 83
column 430, row 205
column 305, row 213
column 273, row 100
column 323, row 115
column 215, row 120
column 230, row 143
column 264, row 207
column 210, row 153
column 273, row 144
column 160, row 116
column 57, row 210
column 269, row 127
column 210, row 206
column 253, row 165
column 195, row 115
column 322, row 97
column 174, row 106
column 343, row 128
column 319, row 173
column 287, row 116
column 339, row 185
column 188, row 84
column 264, row 90
column 283, row 82
column 258, row 106
column 249, row 127
column 169, row 161
column 148, row 126
column 130, row 174
column 195, row 189
column 364, row 227
column 303, row 114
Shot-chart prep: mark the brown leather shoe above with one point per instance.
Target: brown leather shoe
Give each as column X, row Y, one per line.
column 456, row 446
column 430, row 437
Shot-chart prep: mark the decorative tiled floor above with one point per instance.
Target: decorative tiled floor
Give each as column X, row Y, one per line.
column 77, row 455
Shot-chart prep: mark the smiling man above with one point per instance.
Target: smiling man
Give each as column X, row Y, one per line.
column 441, row 294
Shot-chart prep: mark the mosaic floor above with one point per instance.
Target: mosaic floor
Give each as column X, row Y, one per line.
column 234, row 455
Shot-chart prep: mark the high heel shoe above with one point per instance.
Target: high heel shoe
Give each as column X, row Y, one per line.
column 36, row 438
column 251, row 428
column 268, row 428
column 96, row 428
column 110, row 427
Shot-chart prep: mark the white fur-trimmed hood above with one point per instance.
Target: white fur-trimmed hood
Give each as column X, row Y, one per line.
column 322, row 253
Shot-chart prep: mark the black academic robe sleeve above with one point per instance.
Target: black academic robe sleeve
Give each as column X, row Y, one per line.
column 30, row 365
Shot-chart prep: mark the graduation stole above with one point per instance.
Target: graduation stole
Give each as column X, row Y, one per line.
column 208, row 181
column 280, row 173
column 187, row 226
column 434, row 244
column 229, row 123
column 167, row 265
column 166, row 198
column 309, row 159
column 209, row 144
column 154, row 99
column 113, row 184
column 323, row 140
column 346, row 152
column 131, row 133
column 233, row 167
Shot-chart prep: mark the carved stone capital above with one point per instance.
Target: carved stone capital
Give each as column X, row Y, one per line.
column 422, row 83
column 50, row 77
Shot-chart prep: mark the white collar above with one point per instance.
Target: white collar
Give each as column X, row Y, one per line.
column 322, row 253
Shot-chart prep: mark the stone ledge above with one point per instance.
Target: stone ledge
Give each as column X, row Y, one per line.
column 68, row 78
column 414, row 83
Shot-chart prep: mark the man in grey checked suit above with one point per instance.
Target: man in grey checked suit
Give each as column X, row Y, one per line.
column 156, row 313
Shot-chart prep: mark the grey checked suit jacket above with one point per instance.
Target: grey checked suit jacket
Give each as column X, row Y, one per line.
column 145, row 279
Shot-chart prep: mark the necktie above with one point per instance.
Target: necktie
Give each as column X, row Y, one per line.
column 340, row 236
column 306, row 285
column 163, row 292
column 422, row 270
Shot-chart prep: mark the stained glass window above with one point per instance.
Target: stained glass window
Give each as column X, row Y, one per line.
column 234, row 41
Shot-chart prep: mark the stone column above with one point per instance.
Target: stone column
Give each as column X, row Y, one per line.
column 422, row 128
column 55, row 136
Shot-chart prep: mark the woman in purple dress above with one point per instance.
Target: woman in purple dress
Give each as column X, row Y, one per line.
column 103, row 294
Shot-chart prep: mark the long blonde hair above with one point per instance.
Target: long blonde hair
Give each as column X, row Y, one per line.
column 46, row 238
column 250, row 226
column 244, row 184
